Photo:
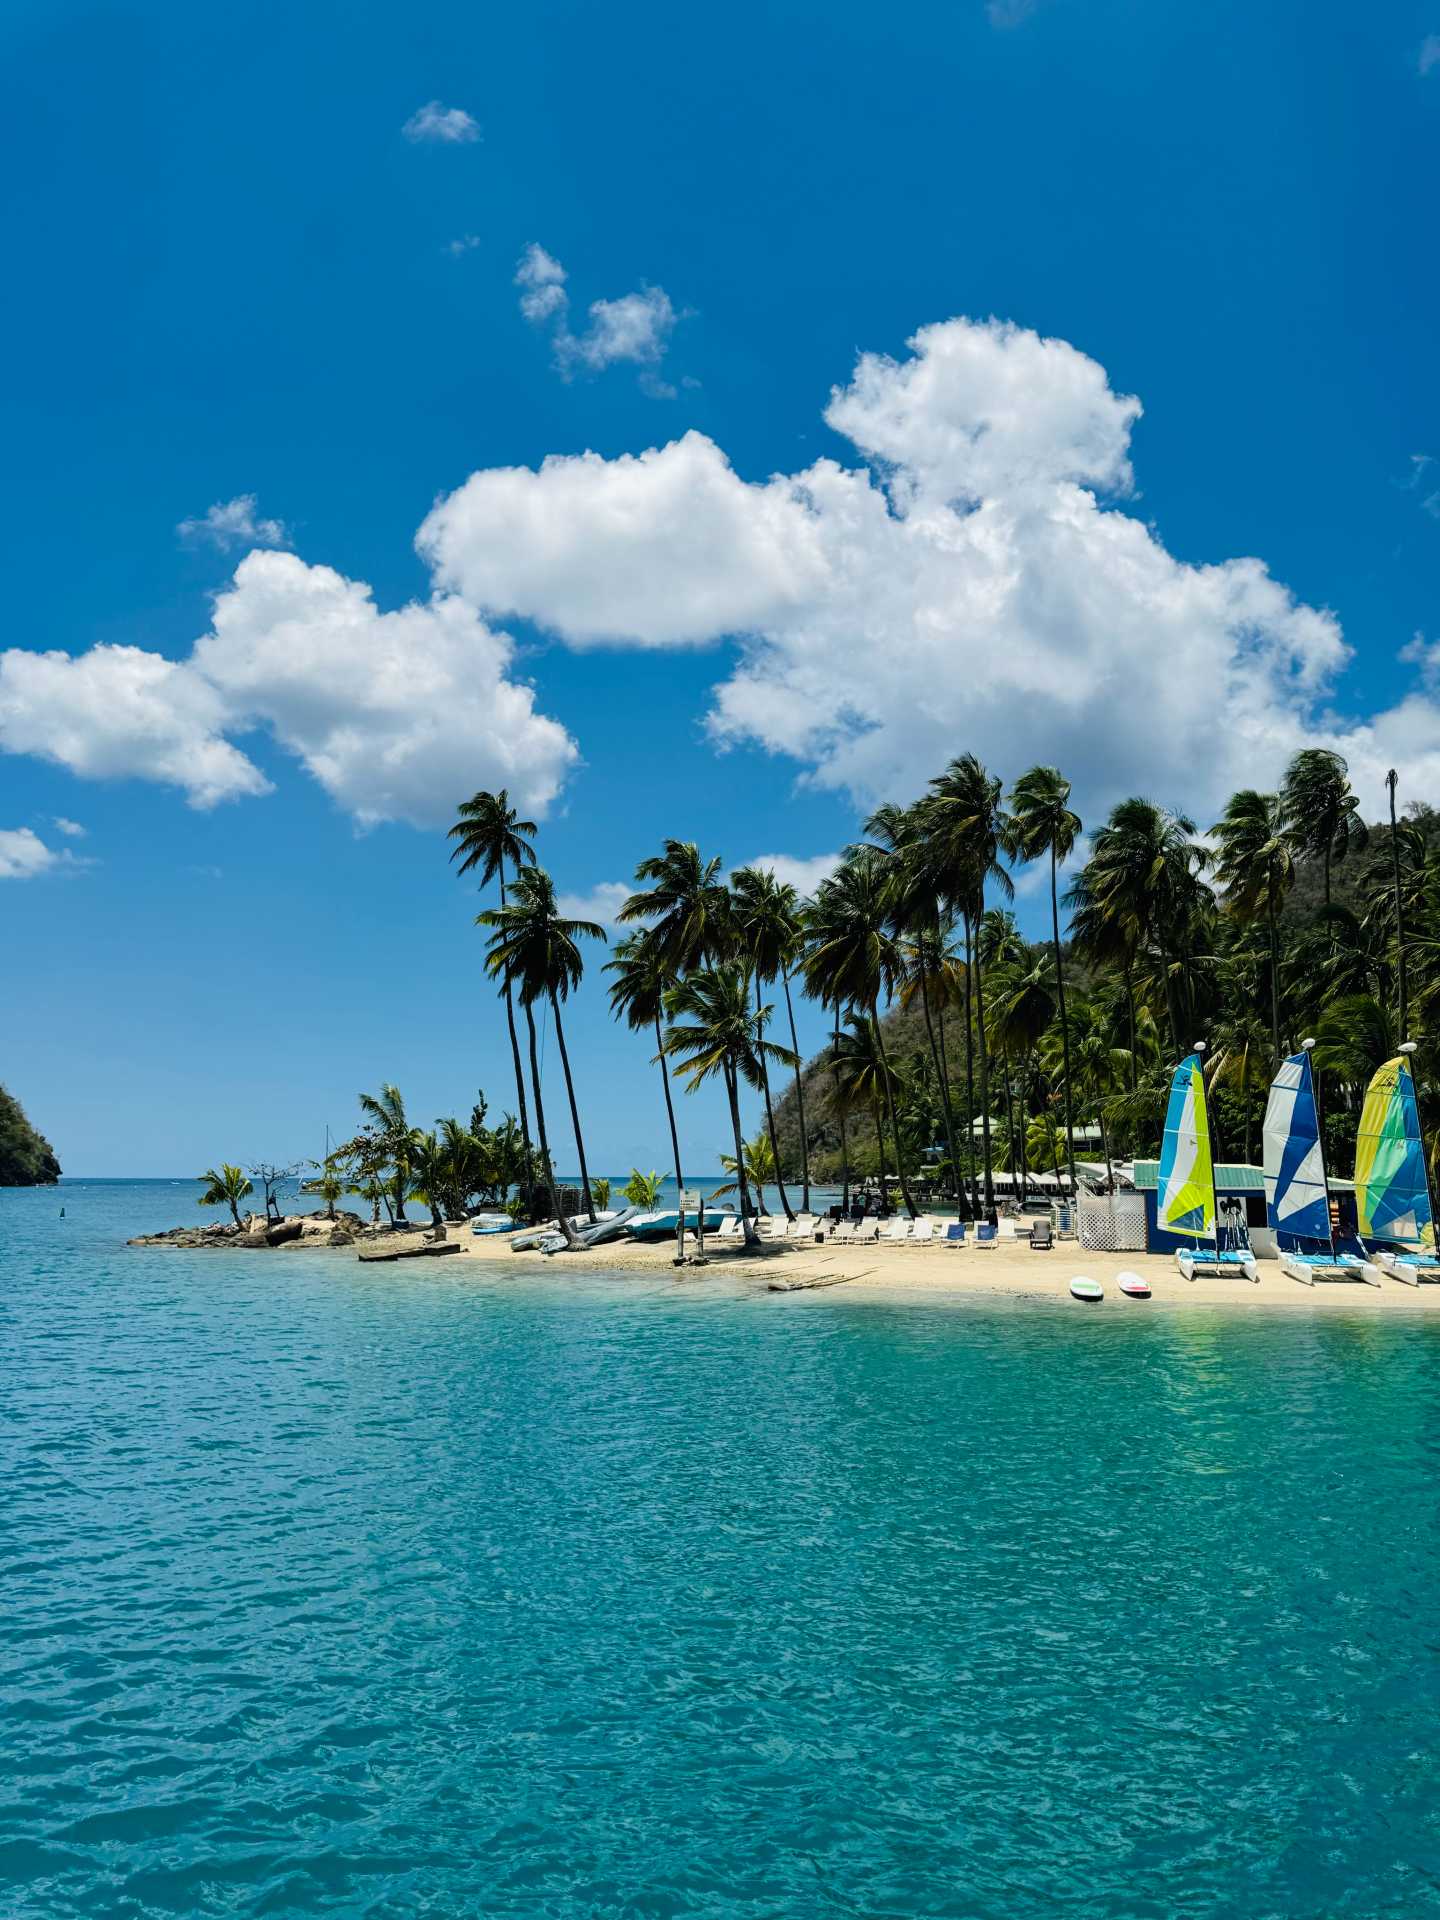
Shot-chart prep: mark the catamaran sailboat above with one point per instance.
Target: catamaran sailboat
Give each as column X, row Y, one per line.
column 1392, row 1187
column 1297, row 1191
column 1185, row 1203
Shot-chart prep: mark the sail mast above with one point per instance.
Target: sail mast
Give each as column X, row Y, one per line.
column 1307, row 1047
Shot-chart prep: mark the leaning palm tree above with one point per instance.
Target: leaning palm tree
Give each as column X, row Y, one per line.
column 638, row 992
column 225, row 1186
column 1321, row 815
column 492, row 837
column 431, row 1176
column 685, row 904
column 1045, row 825
column 714, row 1032
column 762, row 920
column 386, row 1112
column 1254, row 870
column 539, row 948
column 965, row 830
column 853, row 958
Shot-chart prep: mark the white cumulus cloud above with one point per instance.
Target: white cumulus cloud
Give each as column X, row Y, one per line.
column 635, row 328
column 975, row 582
column 235, row 523
column 24, row 855
column 72, row 829
column 397, row 715
column 449, row 126
column 603, row 903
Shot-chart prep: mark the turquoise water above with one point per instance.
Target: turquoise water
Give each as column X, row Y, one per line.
column 372, row 1592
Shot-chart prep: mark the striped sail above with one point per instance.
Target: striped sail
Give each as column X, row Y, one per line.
column 1391, row 1187
column 1297, row 1198
column 1186, row 1200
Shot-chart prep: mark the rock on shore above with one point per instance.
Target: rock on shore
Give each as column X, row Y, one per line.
column 300, row 1230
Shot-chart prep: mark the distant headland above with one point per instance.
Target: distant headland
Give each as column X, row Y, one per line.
column 26, row 1158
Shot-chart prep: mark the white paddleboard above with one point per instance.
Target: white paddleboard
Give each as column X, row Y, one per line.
column 1134, row 1285
column 1089, row 1290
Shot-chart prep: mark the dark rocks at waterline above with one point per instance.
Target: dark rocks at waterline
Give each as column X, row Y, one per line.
column 304, row 1230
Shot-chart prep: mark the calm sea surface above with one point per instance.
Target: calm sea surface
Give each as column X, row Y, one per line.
column 381, row 1592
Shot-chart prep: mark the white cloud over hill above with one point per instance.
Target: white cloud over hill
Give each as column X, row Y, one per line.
column 972, row 584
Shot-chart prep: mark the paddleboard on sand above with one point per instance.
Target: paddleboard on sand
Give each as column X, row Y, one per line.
column 1084, row 1289
column 1134, row 1285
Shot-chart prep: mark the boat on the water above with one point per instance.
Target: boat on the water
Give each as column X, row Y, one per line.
column 1134, row 1285
column 1392, row 1184
column 1087, row 1290
column 1297, row 1189
column 1185, row 1204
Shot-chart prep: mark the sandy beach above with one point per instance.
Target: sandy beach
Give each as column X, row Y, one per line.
column 899, row 1272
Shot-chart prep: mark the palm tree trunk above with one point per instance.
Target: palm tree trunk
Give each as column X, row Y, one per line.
column 984, row 1053
column 566, row 1225
column 1274, row 983
column 1017, row 1147
column 769, row 1109
column 840, row 1116
column 669, row 1106
column 889, row 1092
column 940, row 1075
column 515, row 1050
column 1105, row 1149
column 1064, row 1022
column 574, row 1110
column 752, row 1238
column 1130, row 1009
column 961, row 1196
column 799, row 1094
column 875, row 1115
column 1402, row 982
column 970, row 1076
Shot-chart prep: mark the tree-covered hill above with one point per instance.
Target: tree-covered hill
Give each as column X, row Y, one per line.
column 26, row 1158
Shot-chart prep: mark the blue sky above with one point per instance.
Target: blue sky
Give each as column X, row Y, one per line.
column 251, row 272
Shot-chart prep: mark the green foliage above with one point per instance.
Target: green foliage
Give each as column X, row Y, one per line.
column 26, row 1158
column 601, row 1190
column 225, row 1186
column 643, row 1189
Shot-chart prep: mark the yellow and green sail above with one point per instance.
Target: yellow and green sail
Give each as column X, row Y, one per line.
column 1392, row 1191
column 1185, row 1203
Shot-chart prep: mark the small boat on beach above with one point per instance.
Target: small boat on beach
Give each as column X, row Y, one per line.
column 663, row 1223
column 1133, row 1285
column 1090, row 1291
column 1185, row 1204
column 1297, row 1189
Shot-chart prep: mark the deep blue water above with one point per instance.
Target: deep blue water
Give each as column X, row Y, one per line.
column 366, row 1591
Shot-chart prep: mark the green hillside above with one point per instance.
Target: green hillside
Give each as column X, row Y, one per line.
column 26, row 1158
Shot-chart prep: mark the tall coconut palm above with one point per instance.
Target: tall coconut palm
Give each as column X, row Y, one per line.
column 686, row 904
column 1254, row 871
column 853, row 958
column 1101, row 1069
column 386, row 1112
column 714, row 1031
column 638, row 993
column 1240, row 1060
column 1045, row 825
column 491, row 835
column 1021, row 1013
column 1322, row 818
column 865, row 1080
column 764, row 918
column 540, row 949
column 965, row 830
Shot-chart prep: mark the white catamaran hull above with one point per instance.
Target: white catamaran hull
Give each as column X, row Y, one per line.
column 1415, row 1269
column 1229, row 1266
column 1311, row 1268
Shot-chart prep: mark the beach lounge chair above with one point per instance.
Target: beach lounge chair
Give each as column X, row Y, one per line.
column 985, row 1235
column 1041, row 1236
column 802, row 1227
column 844, row 1234
column 1006, row 1229
column 729, row 1227
column 895, row 1230
column 867, row 1233
column 922, row 1233
column 954, row 1235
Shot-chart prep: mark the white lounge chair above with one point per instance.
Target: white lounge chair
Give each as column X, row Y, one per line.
column 867, row 1232
column 729, row 1227
column 895, row 1230
column 844, row 1234
column 802, row 1227
column 922, row 1233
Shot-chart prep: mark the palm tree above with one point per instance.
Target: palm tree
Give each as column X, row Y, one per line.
column 714, row 1031
column 539, row 948
column 638, row 992
column 431, row 1175
column 865, row 1080
column 386, row 1110
column 1254, row 871
column 226, row 1186
column 492, row 836
column 1322, row 817
column 1100, row 1068
column 965, row 830
column 1044, row 824
column 643, row 1189
column 686, row 904
column 853, row 957
column 764, row 926
column 1239, row 1061
column 759, row 1167
column 1020, row 1015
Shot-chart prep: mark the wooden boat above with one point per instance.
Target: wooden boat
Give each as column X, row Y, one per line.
column 1134, row 1285
column 1087, row 1290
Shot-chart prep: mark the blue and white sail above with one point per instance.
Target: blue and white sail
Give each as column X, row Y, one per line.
column 1297, row 1196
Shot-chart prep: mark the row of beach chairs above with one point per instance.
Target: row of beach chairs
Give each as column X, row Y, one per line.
column 899, row 1231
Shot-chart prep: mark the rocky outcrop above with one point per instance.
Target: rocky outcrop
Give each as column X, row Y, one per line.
column 300, row 1230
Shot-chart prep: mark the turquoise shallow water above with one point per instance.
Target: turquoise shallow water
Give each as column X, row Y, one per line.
column 371, row 1592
